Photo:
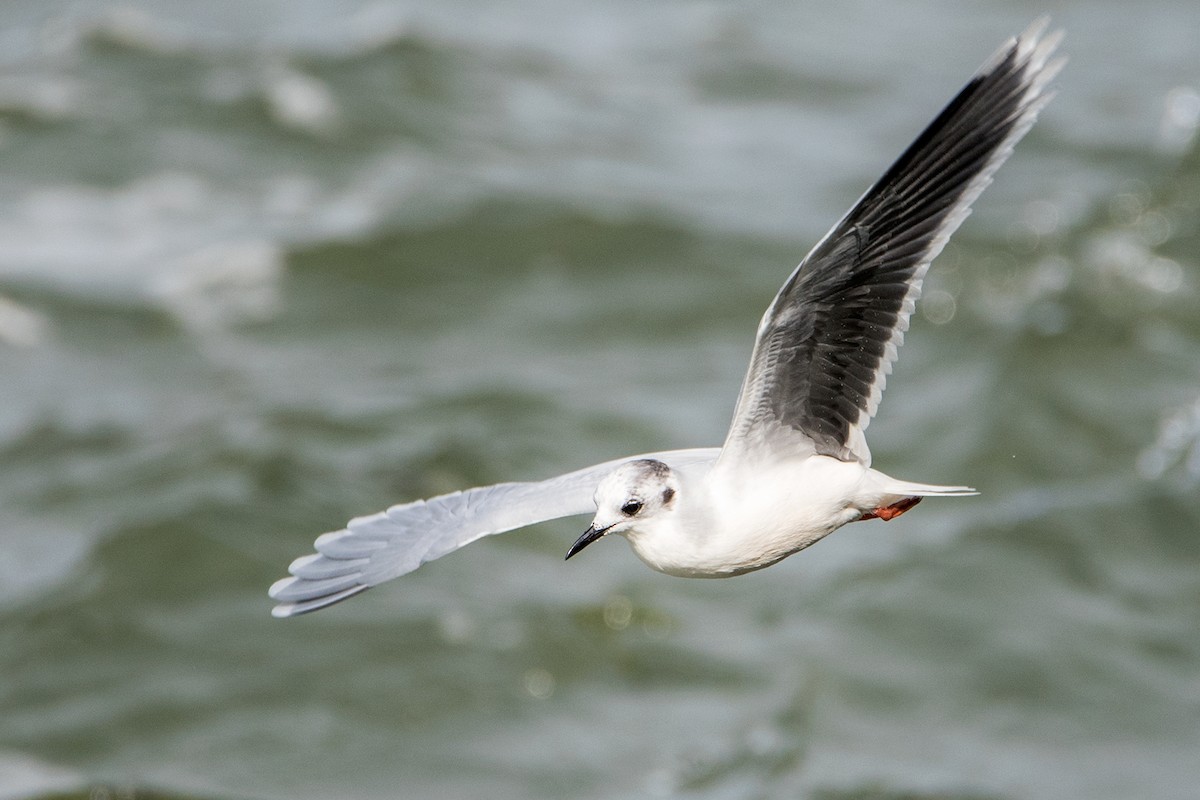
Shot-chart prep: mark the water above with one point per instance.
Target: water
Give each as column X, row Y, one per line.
column 266, row 267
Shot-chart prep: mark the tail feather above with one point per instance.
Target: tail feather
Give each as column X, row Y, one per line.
column 908, row 489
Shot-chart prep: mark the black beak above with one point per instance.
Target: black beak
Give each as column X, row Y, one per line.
column 590, row 535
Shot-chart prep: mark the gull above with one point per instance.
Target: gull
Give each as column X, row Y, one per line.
column 795, row 465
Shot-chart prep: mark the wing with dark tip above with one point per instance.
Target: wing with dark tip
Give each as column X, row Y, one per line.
column 827, row 343
column 377, row 548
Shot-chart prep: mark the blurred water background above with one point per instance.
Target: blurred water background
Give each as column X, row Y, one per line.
column 267, row 266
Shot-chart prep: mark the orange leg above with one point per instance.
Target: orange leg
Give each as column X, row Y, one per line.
column 886, row 513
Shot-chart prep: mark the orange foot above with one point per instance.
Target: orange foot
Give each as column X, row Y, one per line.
column 886, row 513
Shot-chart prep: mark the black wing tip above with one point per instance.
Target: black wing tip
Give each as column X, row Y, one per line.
column 1028, row 56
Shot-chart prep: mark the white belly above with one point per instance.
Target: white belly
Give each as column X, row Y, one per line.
column 754, row 522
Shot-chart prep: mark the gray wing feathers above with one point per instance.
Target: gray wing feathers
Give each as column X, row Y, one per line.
column 379, row 547
column 827, row 343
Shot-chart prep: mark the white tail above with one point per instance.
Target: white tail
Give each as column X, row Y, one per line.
column 907, row 489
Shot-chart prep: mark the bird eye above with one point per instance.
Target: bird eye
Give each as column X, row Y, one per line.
column 631, row 508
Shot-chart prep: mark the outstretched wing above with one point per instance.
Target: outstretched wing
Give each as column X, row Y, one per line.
column 374, row 549
column 827, row 342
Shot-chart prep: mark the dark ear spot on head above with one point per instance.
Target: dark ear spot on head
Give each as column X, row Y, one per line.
column 668, row 493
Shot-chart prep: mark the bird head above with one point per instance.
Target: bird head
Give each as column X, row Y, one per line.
column 629, row 499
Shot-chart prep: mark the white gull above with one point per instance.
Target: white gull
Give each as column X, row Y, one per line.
column 795, row 465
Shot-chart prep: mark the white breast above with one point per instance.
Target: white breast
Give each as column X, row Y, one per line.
column 728, row 524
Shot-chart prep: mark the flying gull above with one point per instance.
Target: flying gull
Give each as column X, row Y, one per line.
column 795, row 465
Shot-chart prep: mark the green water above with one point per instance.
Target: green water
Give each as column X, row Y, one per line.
column 267, row 267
